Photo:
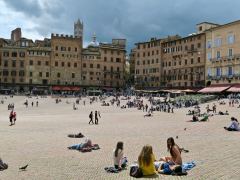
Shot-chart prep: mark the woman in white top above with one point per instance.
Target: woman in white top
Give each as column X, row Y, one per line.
column 118, row 156
column 234, row 125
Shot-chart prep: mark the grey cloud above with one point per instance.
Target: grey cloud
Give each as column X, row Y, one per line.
column 136, row 20
column 28, row 7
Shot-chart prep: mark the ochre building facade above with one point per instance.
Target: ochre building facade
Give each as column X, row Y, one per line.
column 209, row 56
column 61, row 61
column 223, row 54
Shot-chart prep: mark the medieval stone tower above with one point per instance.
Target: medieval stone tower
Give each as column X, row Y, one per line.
column 78, row 28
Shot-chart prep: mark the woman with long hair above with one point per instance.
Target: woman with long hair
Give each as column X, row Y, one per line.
column 175, row 153
column 174, row 160
column 118, row 160
column 146, row 161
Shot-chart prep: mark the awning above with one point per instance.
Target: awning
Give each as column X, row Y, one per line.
column 176, row 92
column 75, row 88
column 188, row 90
column 173, row 91
column 235, row 88
column 214, row 89
column 65, row 88
column 108, row 88
column 148, row 91
column 56, row 88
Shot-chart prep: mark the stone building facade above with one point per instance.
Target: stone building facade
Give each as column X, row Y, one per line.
column 65, row 60
column 132, row 59
column 147, row 63
column 209, row 56
column 38, row 66
column 172, row 62
column 223, row 54
column 103, row 64
column 13, row 57
column 183, row 61
column 61, row 61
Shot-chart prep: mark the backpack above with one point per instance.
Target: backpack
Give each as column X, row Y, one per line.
column 136, row 172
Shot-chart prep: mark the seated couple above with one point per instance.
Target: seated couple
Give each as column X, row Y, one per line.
column 195, row 118
column 105, row 104
column 85, row 147
column 192, row 112
column 234, row 126
column 123, row 107
column 166, row 165
column 222, row 103
column 222, row 113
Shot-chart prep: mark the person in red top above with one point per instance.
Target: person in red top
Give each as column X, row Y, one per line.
column 11, row 117
column 14, row 117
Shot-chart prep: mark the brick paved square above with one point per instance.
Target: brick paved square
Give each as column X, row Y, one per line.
column 39, row 139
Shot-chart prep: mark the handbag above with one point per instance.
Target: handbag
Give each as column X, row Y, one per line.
column 136, row 172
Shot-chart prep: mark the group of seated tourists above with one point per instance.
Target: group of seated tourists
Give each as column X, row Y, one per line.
column 105, row 104
column 165, row 165
column 147, row 162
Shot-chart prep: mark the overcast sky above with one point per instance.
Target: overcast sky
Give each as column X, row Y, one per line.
column 135, row 20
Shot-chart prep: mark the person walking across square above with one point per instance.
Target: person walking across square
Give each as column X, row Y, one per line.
column 96, row 117
column 91, row 118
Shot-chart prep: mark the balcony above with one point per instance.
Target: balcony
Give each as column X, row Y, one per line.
column 225, row 58
column 216, row 77
column 236, row 75
column 223, row 77
column 192, row 50
column 111, row 72
column 229, row 76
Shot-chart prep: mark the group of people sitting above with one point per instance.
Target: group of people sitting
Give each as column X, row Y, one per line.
column 222, row 103
column 147, row 162
column 149, row 165
column 196, row 113
column 105, row 104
